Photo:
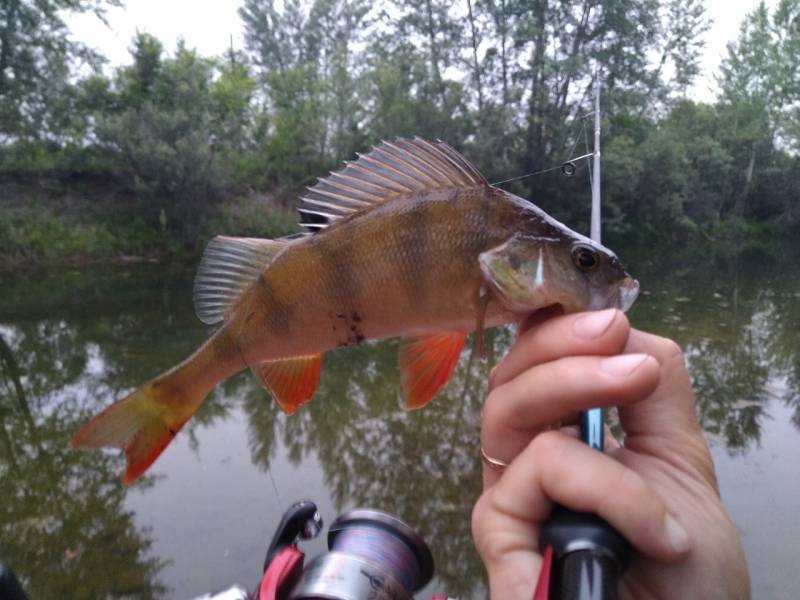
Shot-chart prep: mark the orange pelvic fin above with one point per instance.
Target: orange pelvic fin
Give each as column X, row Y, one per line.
column 291, row 381
column 142, row 424
column 426, row 364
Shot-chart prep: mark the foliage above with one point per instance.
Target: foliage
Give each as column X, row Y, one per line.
column 41, row 236
column 37, row 58
column 173, row 125
column 505, row 81
column 253, row 217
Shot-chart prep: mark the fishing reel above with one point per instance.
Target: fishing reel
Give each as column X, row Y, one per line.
column 372, row 556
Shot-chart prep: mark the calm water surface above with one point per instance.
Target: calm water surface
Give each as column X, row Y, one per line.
column 72, row 340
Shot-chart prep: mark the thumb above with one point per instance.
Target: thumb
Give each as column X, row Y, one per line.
column 665, row 423
column 671, row 406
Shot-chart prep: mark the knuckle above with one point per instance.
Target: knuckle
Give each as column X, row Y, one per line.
column 668, row 349
column 478, row 514
column 488, row 543
column 547, row 446
column 633, row 484
column 491, row 407
column 492, row 547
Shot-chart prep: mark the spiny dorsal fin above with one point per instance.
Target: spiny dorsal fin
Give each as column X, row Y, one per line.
column 228, row 266
column 390, row 170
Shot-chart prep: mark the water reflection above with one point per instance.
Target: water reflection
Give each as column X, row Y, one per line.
column 71, row 342
column 738, row 323
column 62, row 523
column 421, row 465
column 68, row 343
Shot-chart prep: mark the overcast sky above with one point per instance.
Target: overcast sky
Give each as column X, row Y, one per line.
column 208, row 26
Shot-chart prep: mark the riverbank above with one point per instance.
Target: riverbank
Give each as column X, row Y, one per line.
column 53, row 222
column 48, row 222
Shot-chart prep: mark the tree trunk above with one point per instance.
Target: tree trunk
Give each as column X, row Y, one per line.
column 475, row 65
column 5, row 43
column 503, row 57
column 538, row 99
column 741, row 198
column 437, row 75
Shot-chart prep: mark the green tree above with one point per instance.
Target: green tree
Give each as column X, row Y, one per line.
column 760, row 91
column 37, row 58
column 174, row 126
column 536, row 66
column 312, row 80
column 286, row 61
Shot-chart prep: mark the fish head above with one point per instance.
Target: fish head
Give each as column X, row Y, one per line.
column 531, row 272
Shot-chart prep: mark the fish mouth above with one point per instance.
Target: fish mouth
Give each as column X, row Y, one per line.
column 628, row 292
column 620, row 296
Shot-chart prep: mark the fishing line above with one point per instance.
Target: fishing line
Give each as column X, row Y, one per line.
column 527, row 175
column 578, row 137
column 275, row 488
column 567, row 168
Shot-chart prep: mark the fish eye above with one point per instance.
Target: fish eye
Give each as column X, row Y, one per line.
column 585, row 258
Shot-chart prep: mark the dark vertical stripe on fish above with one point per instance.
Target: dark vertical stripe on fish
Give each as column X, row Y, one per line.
column 481, row 220
column 415, row 232
column 277, row 314
column 341, row 282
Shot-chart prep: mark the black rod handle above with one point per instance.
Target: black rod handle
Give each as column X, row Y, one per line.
column 589, row 555
column 584, row 575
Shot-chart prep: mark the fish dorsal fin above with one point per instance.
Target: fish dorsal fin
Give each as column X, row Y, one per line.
column 390, row 170
column 228, row 266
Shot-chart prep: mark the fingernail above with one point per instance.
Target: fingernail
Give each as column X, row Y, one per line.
column 594, row 324
column 622, row 365
column 677, row 535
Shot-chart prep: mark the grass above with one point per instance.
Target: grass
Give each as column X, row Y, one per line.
column 254, row 216
column 47, row 236
column 28, row 235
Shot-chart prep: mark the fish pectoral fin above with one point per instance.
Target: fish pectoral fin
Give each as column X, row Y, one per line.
column 228, row 266
column 291, row 381
column 426, row 363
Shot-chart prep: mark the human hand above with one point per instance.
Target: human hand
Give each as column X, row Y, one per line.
column 659, row 489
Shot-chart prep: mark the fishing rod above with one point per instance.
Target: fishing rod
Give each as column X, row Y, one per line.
column 583, row 555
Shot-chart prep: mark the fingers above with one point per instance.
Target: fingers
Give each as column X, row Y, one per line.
column 554, row 391
column 672, row 408
column 665, row 422
column 558, row 468
column 595, row 333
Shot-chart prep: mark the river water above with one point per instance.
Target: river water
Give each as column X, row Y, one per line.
column 72, row 340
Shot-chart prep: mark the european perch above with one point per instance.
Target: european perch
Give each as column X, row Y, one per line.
column 409, row 240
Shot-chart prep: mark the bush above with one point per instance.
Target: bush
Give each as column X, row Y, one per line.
column 253, row 217
column 39, row 236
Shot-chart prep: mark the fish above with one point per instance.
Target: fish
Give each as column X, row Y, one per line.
column 409, row 240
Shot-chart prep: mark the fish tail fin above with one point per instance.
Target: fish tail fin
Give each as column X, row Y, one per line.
column 143, row 423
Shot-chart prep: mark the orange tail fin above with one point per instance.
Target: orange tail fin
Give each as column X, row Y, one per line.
column 142, row 424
